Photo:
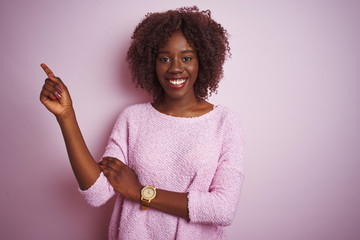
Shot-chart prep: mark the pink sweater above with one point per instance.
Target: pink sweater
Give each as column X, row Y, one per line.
column 201, row 156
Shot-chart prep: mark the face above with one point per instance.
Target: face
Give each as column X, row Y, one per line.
column 177, row 67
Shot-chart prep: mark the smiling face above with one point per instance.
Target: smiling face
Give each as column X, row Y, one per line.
column 177, row 67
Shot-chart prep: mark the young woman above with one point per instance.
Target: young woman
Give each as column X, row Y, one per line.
column 175, row 165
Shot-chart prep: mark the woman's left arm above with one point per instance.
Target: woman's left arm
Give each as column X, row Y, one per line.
column 219, row 204
column 124, row 181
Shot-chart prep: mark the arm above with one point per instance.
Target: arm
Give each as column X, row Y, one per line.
column 56, row 98
column 125, row 182
column 218, row 205
column 173, row 203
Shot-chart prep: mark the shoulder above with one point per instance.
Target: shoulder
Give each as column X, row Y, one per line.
column 131, row 113
column 230, row 123
column 227, row 115
column 134, row 111
column 232, row 129
column 139, row 107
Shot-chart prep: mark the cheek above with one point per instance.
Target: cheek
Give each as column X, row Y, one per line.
column 194, row 69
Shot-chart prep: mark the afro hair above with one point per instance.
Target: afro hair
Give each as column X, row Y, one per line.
column 206, row 36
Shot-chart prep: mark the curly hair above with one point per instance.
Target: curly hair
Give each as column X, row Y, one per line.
column 207, row 37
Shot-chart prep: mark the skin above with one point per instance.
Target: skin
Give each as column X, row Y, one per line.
column 175, row 60
column 178, row 59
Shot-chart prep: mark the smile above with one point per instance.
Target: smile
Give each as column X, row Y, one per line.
column 178, row 81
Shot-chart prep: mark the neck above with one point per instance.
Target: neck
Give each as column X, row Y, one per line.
column 178, row 107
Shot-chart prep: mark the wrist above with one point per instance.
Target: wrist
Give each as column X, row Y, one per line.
column 65, row 115
column 137, row 194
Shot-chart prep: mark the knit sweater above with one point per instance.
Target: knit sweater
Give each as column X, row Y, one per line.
column 201, row 156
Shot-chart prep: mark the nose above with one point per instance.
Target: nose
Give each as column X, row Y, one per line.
column 176, row 66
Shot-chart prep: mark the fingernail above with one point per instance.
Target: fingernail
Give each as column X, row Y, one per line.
column 58, row 95
column 54, row 98
column 60, row 90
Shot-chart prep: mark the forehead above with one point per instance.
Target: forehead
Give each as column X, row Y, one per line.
column 177, row 42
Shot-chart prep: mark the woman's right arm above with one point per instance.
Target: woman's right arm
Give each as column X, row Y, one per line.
column 56, row 98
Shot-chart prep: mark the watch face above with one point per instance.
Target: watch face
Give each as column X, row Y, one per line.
column 148, row 192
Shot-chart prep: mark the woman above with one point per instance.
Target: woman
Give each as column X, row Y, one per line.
column 175, row 164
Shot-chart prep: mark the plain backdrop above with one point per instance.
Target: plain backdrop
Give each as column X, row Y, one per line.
column 294, row 78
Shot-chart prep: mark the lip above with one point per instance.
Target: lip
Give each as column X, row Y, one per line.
column 176, row 86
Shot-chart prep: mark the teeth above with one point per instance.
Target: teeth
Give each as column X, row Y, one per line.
column 177, row 81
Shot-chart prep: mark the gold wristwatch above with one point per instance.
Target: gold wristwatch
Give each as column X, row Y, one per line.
column 148, row 193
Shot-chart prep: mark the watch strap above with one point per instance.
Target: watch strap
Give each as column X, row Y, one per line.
column 143, row 207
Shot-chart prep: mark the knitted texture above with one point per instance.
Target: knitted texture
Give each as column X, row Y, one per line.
column 201, row 156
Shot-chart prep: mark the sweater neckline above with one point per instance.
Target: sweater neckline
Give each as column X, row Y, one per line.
column 165, row 116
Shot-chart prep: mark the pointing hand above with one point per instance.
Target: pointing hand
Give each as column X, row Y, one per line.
column 54, row 94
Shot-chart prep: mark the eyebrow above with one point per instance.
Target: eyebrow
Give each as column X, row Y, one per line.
column 184, row 51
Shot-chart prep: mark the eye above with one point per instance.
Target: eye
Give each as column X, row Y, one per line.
column 185, row 59
column 164, row 59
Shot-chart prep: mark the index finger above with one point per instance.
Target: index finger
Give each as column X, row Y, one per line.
column 47, row 70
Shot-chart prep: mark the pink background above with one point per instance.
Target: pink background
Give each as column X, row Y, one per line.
column 294, row 79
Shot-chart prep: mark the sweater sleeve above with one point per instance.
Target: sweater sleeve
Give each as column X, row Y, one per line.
column 101, row 191
column 218, row 205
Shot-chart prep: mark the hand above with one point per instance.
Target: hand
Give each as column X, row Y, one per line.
column 122, row 178
column 55, row 95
